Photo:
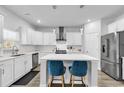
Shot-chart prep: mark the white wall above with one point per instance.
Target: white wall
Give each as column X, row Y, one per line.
column 14, row 22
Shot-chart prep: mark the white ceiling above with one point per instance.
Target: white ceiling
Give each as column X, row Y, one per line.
column 64, row 15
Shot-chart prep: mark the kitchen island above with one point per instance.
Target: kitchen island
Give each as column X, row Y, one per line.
column 92, row 67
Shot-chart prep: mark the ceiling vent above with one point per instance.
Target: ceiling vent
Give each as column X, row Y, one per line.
column 54, row 6
column 81, row 6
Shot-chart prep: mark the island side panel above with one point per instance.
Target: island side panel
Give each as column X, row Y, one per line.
column 43, row 73
column 92, row 73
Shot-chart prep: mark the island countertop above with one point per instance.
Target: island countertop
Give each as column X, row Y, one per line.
column 68, row 57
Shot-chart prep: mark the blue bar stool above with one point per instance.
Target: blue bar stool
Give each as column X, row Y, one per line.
column 78, row 68
column 56, row 68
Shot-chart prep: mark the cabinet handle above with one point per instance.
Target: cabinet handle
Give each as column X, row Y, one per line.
column 3, row 71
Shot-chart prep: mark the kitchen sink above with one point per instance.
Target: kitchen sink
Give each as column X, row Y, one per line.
column 16, row 55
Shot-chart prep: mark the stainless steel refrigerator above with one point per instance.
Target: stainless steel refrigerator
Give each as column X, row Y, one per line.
column 112, row 51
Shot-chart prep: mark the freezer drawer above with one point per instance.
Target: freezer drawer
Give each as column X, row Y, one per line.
column 111, row 69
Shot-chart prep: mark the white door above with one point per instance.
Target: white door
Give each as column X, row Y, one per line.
column 7, row 73
column 19, row 67
column 92, row 44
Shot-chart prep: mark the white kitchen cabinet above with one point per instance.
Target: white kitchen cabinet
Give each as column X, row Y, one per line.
column 28, row 63
column 112, row 27
column 73, row 38
column 37, row 38
column 22, row 65
column 19, row 67
column 116, row 26
column 26, row 36
column 49, row 38
column 6, row 69
column 120, row 25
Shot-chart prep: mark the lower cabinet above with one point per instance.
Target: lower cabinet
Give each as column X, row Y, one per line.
column 19, row 67
column 28, row 63
column 6, row 72
column 22, row 65
column 12, row 70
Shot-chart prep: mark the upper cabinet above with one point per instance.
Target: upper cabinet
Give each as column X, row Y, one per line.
column 120, row 25
column 116, row 26
column 37, row 38
column 49, row 38
column 112, row 27
column 32, row 37
column 73, row 38
column 26, row 36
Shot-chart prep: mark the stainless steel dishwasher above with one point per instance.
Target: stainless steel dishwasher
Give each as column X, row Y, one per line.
column 35, row 59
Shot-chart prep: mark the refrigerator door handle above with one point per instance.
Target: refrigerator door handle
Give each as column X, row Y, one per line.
column 123, row 68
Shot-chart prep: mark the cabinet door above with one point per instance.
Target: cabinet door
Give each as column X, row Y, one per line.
column 73, row 38
column 26, row 36
column 112, row 27
column 7, row 73
column 23, row 36
column 52, row 38
column 19, row 67
column 29, row 35
column 37, row 38
column 28, row 63
column 120, row 25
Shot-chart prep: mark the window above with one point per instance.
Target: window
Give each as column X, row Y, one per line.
column 10, row 35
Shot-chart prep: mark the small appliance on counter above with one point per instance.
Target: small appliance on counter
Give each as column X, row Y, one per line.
column 61, row 48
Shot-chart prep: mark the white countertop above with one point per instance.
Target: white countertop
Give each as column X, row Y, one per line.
column 5, row 58
column 68, row 57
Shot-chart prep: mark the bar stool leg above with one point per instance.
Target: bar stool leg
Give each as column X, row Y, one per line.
column 72, row 80
column 50, row 81
column 83, row 79
column 62, row 78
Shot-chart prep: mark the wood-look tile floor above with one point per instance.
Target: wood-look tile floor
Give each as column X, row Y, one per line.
column 103, row 81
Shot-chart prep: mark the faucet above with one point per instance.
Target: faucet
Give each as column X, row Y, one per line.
column 14, row 50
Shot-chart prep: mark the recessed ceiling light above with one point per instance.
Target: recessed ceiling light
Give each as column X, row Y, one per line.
column 88, row 20
column 38, row 21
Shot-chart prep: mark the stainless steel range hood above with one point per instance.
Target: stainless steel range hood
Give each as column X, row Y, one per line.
column 61, row 35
